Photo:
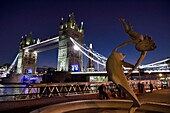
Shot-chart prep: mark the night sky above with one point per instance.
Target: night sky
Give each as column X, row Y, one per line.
column 101, row 24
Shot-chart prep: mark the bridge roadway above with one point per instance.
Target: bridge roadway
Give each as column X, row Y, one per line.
column 44, row 45
column 158, row 96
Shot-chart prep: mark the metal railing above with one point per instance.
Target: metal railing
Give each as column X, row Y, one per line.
column 39, row 90
column 8, row 91
column 33, row 91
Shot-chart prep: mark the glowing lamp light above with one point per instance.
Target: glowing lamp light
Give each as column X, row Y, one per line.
column 160, row 74
column 76, row 47
column 75, row 68
column 149, row 71
column 90, row 45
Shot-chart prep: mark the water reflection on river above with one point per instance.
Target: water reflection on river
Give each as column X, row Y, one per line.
column 8, row 91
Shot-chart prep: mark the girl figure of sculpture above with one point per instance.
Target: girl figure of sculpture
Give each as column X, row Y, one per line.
column 142, row 44
column 115, row 61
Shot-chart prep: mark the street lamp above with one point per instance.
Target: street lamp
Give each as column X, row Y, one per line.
column 160, row 74
column 149, row 74
column 139, row 77
column 149, row 71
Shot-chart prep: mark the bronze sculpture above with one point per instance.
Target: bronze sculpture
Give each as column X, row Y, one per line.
column 115, row 61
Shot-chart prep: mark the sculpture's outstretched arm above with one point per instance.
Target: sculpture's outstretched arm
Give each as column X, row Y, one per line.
column 124, row 44
column 126, row 27
column 142, row 56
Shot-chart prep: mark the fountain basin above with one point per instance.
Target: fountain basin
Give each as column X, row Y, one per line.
column 112, row 106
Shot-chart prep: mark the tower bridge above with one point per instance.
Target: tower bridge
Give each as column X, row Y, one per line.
column 69, row 57
column 28, row 51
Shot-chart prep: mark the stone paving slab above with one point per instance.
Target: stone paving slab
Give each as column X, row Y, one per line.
column 159, row 96
column 25, row 106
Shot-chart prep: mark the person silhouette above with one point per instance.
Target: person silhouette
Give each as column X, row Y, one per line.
column 151, row 87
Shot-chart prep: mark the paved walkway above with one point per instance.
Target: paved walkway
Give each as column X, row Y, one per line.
column 159, row 96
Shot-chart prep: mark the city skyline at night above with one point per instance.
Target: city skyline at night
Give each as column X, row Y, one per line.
column 101, row 24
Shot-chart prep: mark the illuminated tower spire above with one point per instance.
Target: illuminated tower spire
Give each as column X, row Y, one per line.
column 61, row 23
column 81, row 27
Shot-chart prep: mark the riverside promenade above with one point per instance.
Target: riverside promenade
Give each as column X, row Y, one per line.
column 158, row 96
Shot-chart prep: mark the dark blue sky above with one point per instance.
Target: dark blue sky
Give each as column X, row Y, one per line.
column 101, row 24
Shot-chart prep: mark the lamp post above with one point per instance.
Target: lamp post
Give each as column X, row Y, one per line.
column 139, row 74
column 149, row 74
column 160, row 75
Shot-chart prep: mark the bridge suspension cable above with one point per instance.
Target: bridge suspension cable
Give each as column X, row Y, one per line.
column 100, row 59
column 158, row 64
column 86, row 48
column 9, row 69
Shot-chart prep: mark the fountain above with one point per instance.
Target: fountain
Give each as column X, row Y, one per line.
column 116, row 74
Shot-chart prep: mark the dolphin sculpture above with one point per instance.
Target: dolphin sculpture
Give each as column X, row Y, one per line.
column 116, row 74
column 115, row 63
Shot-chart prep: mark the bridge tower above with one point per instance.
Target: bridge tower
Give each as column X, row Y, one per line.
column 70, row 59
column 27, row 60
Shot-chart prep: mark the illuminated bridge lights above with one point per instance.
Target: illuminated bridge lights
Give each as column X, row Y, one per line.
column 99, row 59
column 156, row 67
column 159, row 66
column 45, row 42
